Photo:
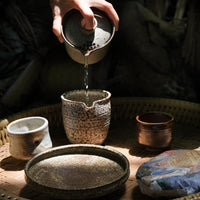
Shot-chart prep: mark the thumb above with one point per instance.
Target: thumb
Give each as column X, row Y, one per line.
column 88, row 18
column 57, row 28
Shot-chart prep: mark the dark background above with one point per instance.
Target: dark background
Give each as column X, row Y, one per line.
column 155, row 53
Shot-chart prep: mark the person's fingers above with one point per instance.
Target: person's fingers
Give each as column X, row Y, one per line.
column 57, row 28
column 108, row 9
column 88, row 17
column 60, row 8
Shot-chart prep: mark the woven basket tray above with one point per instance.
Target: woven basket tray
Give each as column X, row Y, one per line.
column 122, row 109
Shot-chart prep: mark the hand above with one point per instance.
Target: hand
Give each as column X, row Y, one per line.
column 61, row 7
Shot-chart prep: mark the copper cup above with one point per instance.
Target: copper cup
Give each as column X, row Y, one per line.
column 154, row 130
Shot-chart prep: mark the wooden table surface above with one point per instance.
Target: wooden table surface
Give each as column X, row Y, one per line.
column 121, row 137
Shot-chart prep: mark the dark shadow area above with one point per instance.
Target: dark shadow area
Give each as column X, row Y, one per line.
column 122, row 130
column 136, row 194
column 140, row 150
column 185, row 137
column 58, row 136
column 153, row 54
column 28, row 192
column 12, row 164
column 114, row 195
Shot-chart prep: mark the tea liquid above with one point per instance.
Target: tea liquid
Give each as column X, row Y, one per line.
column 86, row 76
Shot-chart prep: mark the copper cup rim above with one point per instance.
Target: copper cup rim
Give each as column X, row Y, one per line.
column 171, row 118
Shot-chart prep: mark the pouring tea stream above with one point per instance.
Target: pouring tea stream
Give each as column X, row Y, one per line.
column 87, row 46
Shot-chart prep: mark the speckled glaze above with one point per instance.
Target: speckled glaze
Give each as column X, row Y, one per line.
column 86, row 120
column 154, row 130
column 77, row 171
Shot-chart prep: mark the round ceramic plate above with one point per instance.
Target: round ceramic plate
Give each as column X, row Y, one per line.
column 77, row 171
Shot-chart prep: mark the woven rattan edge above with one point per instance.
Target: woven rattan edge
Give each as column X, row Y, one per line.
column 124, row 108
column 120, row 105
column 51, row 112
column 3, row 132
column 183, row 111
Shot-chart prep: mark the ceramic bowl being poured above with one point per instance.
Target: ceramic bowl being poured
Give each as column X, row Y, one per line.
column 86, row 119
column 81, row 43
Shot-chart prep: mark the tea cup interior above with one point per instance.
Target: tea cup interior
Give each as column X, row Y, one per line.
column 27, row 125
column 88, row 98
column 154, row 117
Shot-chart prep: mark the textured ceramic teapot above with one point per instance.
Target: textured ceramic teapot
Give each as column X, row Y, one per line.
column 80, row 42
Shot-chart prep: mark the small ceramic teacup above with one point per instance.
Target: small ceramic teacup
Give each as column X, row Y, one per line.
column 154, row 130
column 28, row 137
column 86, row 118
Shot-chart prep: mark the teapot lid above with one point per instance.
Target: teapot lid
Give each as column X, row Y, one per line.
column 87, row 40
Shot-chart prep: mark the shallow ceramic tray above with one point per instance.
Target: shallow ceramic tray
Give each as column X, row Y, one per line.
column 77, row 171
